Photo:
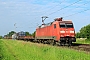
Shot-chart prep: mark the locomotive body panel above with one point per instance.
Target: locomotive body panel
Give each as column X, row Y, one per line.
column 44, row 32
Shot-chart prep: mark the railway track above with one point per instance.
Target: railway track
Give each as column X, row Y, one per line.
column 76, row 46
column 83, row 47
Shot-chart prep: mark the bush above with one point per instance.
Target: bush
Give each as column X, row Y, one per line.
column 1, row 37
column 84, row 32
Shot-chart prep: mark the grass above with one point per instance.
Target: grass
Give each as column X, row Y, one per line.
column 22, row 50
column 4, row 52
column 82, row 41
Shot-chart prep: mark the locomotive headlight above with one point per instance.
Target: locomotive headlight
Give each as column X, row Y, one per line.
column 62, row 31
column 71, row 31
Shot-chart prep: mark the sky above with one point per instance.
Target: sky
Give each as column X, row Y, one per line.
column 25, row 15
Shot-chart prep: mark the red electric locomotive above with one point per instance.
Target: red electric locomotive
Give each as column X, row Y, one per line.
column 56, row 31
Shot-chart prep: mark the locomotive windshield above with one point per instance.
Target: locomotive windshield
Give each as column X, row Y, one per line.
column 69, row 25
column 66, row 25
column 62, row 25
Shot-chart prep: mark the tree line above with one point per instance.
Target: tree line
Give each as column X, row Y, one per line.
column 84, row 32
column 27, row 34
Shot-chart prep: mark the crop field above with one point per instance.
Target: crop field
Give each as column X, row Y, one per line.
column 22, row 50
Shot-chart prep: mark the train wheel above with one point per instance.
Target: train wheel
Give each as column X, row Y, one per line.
column 69, row 43
column 60, row 43
column 39, row 41
column 44, row 42
column 52, row 42
column 48, row 41
column 35, row 40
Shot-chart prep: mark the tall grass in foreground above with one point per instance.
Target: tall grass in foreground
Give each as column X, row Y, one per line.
column 20, row 50
column 4, row 52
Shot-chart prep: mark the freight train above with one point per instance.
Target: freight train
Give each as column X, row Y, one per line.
column 59, row 31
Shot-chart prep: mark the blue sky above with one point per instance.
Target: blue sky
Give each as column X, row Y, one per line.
column 26, row 14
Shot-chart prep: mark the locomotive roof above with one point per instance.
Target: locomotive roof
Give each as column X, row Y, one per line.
column 65, row 21
column 43, row 25
column 48, row 24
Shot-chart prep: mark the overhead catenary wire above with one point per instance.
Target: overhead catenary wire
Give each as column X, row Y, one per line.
column 65, row 7
column 77, row 7
column 61, row 8
column 54, row 6
column 69, row 6
column 77, row 13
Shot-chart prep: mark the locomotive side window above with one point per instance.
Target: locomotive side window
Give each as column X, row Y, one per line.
column 69, row 25
column 54, row 25
column 62, row 25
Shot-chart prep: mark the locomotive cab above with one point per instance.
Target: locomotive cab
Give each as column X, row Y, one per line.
column 67, row 32
column 64, row 31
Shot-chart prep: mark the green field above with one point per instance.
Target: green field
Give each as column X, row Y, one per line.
column 22, row 50
column 82, row 41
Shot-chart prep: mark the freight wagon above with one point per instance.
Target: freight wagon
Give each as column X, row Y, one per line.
column 22, row 36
